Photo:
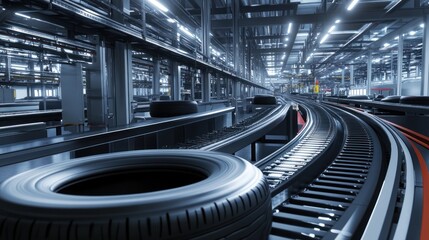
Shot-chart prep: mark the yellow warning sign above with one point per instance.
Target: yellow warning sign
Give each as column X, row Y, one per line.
column 316, row 88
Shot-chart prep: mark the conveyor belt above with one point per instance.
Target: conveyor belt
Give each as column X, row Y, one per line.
column 314, row 211
column 199, row 142
column 319, row 208
column 291, row 161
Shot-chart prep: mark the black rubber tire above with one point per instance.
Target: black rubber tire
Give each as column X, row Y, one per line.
column 359, row 97
column 212, row 196
column 264, row 100
column 165, row 108
column 164, row 97
column 378, row 97
column 391, row 99
column 415, row 100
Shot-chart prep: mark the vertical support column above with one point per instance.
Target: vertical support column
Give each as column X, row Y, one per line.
column 218, row 87
column 31, row 68
column 236, row 35
column 206, row 27
column 43, row 88
column 156, row 76
column 123, row 7
column 122, row 84
column 175, row 80
column 425, row 56
column 343, row 73
column 228, row 85
column 193, row 85
column 143, row 19
column 369, row 73
column 399, row 64
column 243, row 52
column 8, row 66
column 249, row 61
column 205, row 84
column 352, row 74
column 96, row 88
column 235, row 88
column 72, row 100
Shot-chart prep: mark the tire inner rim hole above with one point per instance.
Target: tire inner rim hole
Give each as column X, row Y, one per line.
column 130, row 181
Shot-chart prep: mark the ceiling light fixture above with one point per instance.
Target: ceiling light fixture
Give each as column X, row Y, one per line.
column 422, row 25
column 337, row 21
column 352, row 5
column 289, row 28
column 158, row 5
column 331, row 28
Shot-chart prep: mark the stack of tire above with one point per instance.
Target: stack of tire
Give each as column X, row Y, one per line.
column 147, row 194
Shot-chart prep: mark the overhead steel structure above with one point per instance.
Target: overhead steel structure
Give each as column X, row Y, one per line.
column 212, row 49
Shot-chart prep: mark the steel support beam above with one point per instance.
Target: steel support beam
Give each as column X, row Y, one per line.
column 120, row 85
column 123, row 7
column 72, row 99
column 218, row 87
column 236, row 35
column 156, row 76
column 269, row 7
column 369, row 73
column 425, row 57
column 175, row 80
column 206, row 28
column 96, row 89
column 143, row 12
column 399, row 65
column 354, row 17
column 205, row 84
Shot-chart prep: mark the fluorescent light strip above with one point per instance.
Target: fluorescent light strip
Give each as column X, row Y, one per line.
column 186, row 31
column 324, row 38
column 22, row 15
column 289, row 28
column 158, row 5
column 352, row 5
column 344, row 32
column 392, row 5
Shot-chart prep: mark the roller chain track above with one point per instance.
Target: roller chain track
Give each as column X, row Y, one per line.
column 313, row 211
column 201, row 141
column 316, row 141
column 318, row 209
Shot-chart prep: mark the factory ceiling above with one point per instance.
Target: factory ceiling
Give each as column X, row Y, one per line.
column 285, row 36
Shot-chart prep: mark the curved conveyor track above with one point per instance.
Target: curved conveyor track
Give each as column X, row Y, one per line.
column 322, row 207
